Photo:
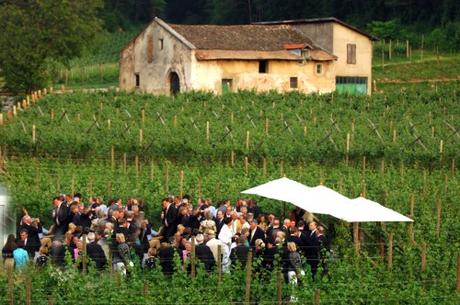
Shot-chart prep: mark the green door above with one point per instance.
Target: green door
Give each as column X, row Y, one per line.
column 351, row 85
column 226, row 86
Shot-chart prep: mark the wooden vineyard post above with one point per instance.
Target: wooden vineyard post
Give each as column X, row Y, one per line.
column 1, row 119
column 181, row 183
column 382, row 167
column 356, row 237
column 136, row 165
column 232, row 117
column 247, row 139
column 407, row 48
column 10, row 286
column 452, row 166
column 84, row 261
column 317, row 297
column 141, row 137
column 279, row 292
column 411, row 224
column 112, row 157
column 175, row 121
column 389, row 50
column 423, row 255
column 124, row 162
column 109, row 124
column 247, row 295
column 266, row 126
column 143, row 117
column 232, row 158
column 410, row 233
column 441, row 150
column 33, row 134
column 192, row 259
column 207, row 132
column 28, row 290
column 438, row 217
column 145, row 291
column 390, row 251
column 50, row 300
column 347, row 147
column 219, row 264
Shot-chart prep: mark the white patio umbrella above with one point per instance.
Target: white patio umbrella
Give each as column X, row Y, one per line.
column 283, row 189
column 323, row 200
column 365, row 210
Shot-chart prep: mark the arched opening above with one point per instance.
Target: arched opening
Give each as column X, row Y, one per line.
column 174, row 83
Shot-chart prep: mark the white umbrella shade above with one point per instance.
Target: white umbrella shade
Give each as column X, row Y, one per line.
column 323, row 200
column 283, row 189
column 365, row 210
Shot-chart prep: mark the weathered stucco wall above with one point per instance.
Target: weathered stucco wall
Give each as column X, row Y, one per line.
column 363, row 66
column 320, row 33
column 154, row 76
column 208, row 75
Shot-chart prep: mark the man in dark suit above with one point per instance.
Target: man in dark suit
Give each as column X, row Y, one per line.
column 24, row 243
column 204, row 254
column 95, row 252
column 255, row 233
column 312, row 248
column 219, row 221
column 33, row 231
column 169, row 218
column 60, row 218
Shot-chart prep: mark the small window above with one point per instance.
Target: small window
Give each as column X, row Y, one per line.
column 160, row 43
column 351, row 53
column 319, row 68
column 263, row 66
column 138, row 80
column 226, row 85
column 293, row 82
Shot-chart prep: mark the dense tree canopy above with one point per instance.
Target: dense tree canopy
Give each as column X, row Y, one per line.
column 38, row 33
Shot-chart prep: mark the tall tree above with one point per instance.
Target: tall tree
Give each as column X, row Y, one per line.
column 38, row 32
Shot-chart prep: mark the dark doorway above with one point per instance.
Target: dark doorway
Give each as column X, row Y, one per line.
column 174, row 83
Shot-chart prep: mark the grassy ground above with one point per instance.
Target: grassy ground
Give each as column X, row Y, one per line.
column 446, row 68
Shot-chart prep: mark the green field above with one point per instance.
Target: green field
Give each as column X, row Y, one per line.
column 399, row 147
column 305, row 139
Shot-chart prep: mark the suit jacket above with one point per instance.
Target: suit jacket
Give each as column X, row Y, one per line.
column 170, row 221
column 27, row 246
column 219, row 225
column 33, row 239
column 312, row 248
column 258, row 234
column 96, row 253
column 239, row 253
column 204, row 254
column 61, row 218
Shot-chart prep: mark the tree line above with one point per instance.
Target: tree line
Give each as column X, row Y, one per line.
column 421, row 13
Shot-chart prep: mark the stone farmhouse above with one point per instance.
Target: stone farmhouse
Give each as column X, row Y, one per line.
column 311, row 56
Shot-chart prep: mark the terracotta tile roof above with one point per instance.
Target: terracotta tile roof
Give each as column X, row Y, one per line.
column 245, row 55
column 241, row 37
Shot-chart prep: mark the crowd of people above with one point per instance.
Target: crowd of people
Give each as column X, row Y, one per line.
column 113, row 234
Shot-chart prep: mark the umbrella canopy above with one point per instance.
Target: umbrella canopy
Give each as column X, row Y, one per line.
column 323, row 200
column 365, row 210
column 283, row 189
